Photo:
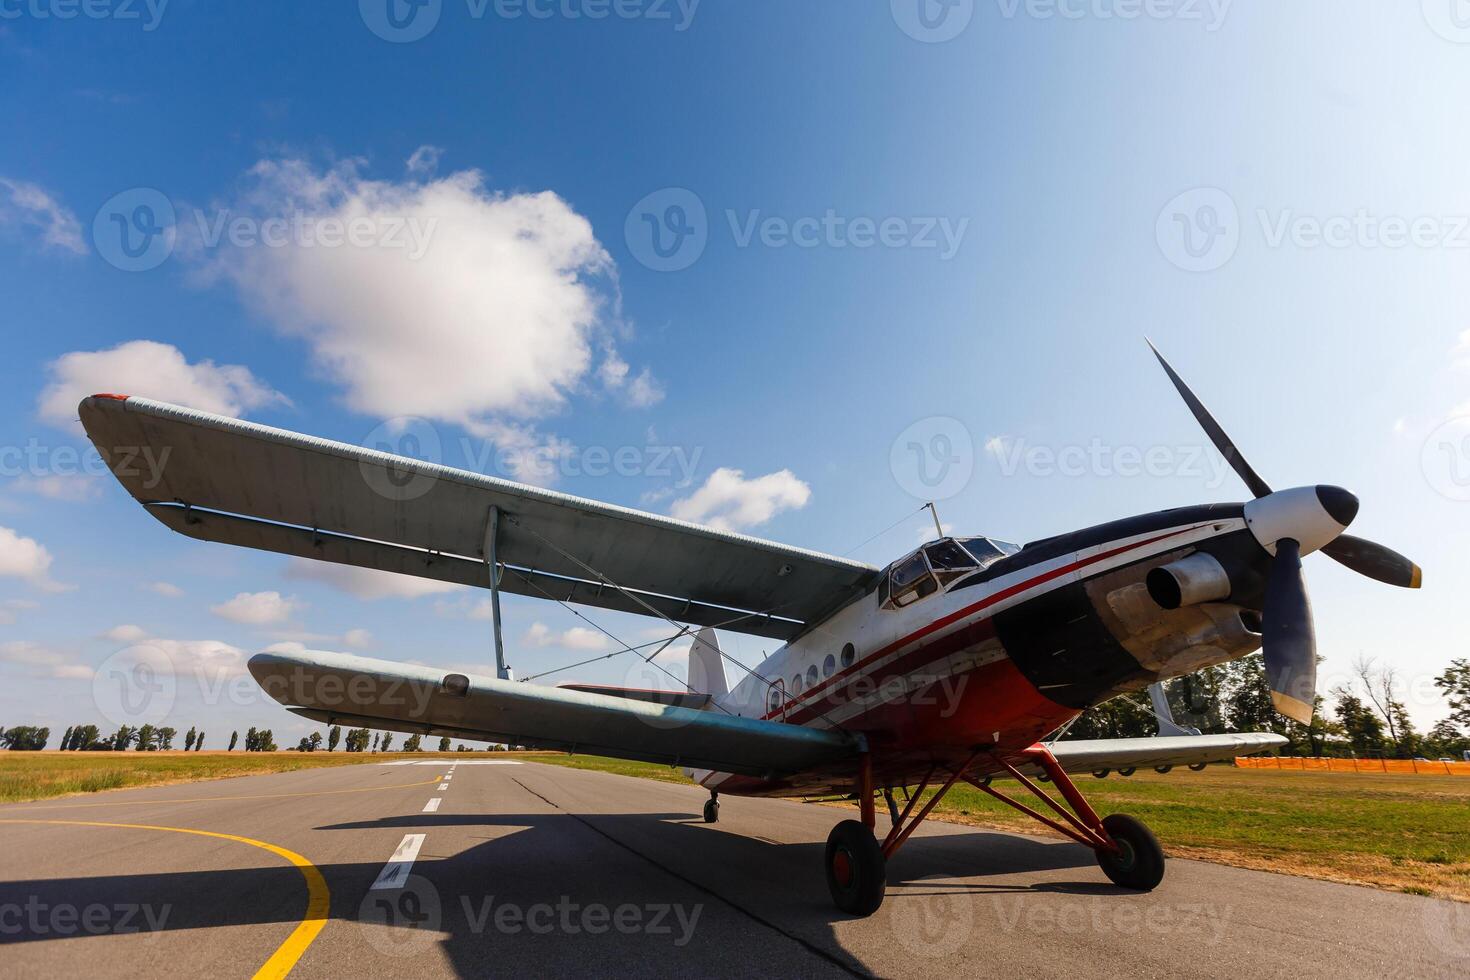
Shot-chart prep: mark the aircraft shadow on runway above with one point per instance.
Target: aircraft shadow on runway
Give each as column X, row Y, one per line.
column 765, row 899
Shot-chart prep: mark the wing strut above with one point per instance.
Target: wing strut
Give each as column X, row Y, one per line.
column 492, row 531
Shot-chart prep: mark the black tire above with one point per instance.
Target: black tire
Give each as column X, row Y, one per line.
column 1163, row 770
column 1127, row 771
column 711, row 811
column 1140, row 865
column 856, row 869
column 1198, row 766
column 1100, row 773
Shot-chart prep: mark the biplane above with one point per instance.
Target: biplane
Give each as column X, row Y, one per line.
column 955, row 663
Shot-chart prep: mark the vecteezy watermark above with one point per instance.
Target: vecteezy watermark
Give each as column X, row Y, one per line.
column 668, row 230
column 933, row 918
column 403, row 918
column 1445, row 458
column 147, row 13
column 1097, row 458
column 135, row 686
column 1199, row 921
column 139, row 229
column 37, row 459
column 1201, row 229
column 1210, row 13
column 544, row 462
column 933, row 459
column 932, row 21
column 405, row 21
column 1450, row 19
column 36, row 918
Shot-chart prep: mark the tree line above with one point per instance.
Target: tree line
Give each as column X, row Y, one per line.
column 151, row 738
column 1366, row 716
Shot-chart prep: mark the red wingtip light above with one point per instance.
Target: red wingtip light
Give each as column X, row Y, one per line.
column 112, row 397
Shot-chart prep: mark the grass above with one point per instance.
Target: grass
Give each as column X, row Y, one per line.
column 1401, row 833
column 41, row 775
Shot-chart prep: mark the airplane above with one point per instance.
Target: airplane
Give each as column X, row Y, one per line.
column 959, row 662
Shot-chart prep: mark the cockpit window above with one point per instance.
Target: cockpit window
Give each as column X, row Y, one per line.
column 987, row 550
column 948, row 559
column 911, row 580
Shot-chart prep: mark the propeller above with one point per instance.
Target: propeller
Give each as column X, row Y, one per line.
column 1289, row 641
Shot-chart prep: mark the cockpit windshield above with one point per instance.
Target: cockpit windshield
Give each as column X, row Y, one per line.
column 936, row 565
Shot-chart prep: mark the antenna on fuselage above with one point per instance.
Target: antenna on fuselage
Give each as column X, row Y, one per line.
column 934, row 513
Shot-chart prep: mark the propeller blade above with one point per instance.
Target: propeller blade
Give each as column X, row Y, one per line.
column 1375, row 561
column 1288, row 639
column 1212, row 429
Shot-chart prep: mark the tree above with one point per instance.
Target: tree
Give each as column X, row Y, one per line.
column 234, row 738
column 413, row 743
column 199, row 742
column 252, row 740
column 25, row 738
column 1455, row 683
column 1445, row 739
column 66, row 739
column 85, row 738
column 1381, row 685
column 147, row 738
column 387, row 741
column 265, row 741
column 315, row 741
column 166, row 738
column 1121, row 717
column 444, row 744
column 333, row 737
column 1360, row 725
column 123, row 738
column 189, row 737
column 304, row 745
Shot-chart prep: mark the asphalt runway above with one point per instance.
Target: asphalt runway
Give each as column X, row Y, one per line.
column 536, row 870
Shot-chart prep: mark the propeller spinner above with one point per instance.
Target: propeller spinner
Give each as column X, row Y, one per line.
column 1289, row 524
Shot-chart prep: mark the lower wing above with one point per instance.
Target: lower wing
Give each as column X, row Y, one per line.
column 338, row 688
column 1091, row 755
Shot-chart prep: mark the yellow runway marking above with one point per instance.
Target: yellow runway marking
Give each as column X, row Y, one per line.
column 318, row 896
column 211, row 799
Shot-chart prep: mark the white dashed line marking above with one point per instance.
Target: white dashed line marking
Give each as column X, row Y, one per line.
column 395, row 872
column 432, row 805
column 443, row 786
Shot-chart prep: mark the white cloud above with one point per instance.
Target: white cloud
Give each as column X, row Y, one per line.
column 44, row 661
column 125, row 633
column 10, row 608
column 730, row 502
column 22, row 203
column 72, row 489
column 203, row 658
column 258, row 608
column 366, row 583
column 152, row 370
column 166, row 589
column 576, row 638
column 529, row 456
column 640, row 392
column 26, row 559
column 357, row 638
column 461, row 304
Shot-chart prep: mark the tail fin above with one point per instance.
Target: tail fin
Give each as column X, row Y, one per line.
column 706, row 672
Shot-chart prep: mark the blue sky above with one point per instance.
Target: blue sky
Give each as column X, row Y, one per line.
column 893, row 225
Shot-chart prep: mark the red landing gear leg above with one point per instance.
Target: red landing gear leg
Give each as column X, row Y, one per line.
column 856, row 869
column 1126, row 849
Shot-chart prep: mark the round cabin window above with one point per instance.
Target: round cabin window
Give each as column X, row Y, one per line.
column 849, row 654
column 829, row 666
column 811, row 675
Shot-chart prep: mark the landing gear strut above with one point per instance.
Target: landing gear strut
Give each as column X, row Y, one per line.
column 712, row 808
column 1126, row 850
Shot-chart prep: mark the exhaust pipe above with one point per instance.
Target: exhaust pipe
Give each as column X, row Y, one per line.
column 1188, row 581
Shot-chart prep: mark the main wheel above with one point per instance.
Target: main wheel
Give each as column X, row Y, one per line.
column 711, row 811
column 856, row 869
column 1139, row 862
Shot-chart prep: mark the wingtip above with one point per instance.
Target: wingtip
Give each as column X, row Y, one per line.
column 1416, row 577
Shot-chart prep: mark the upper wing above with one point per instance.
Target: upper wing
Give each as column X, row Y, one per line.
column 1086, row 755
column 241, row 483
column 336, row 688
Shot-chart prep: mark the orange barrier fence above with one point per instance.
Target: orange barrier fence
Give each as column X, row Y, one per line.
column 1407, row 766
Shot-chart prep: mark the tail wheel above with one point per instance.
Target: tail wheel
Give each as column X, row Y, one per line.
column 1139, row 860
column 856, row 872
column 711, row 811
